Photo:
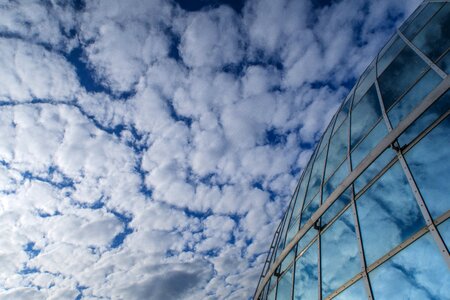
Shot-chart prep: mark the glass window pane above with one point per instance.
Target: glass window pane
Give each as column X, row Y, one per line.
column 367, row 145
column 338, row 149
column 306, row 239
column 364, row 116
column 387, row 211
column 310, row 210
column 414, row 96
column 272, row 294
column 389, row 52
column 434, row 38
column 285, row 286
column 335, row 180
column 326, row 136
column 429, row 162
column 306, row 279
column 336, row 207
column 288, row 260
column 340, row 259
column 400, row 75
column 301, row 192
column 343, row 113
column 355, row 292
column 416, row 21
column 444, row 230
column 316, row 176
column 373, row 169
column 293, row 230
column 417, row 272
column 365, row 82
column 444, row 63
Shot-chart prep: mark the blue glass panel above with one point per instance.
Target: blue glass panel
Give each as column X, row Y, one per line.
column 429, row 116
column 434, row 38
column 429, row 162
column 293, row 230
column 338, row 149
column 272, row 294
column 367, row 145
column 355, row 292
column 444, row 230
column 374, row 169
column 343, row 113
column 400, row 75
column 444, row 63
column 387, row 211
column 306, row 239
column 365, row 82
column 335, row 180
column 310, row 210
column 285, row 286
column 316, row 176
column 340, row 259
column 306, row 286
column 414, row 96
column 364, row 116
column 288, row 260
column 417, row 272
column 389, row 52
column 336, row 207
column 418, row 19
column 301, row 192
column 326, row 136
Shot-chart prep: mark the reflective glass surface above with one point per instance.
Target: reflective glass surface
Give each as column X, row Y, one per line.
column 417, row 272
column 285, row 285
column 414, row 96
column 316, row 176
column 272, row 294
column 336, row 207
column 306, row 239
column 343, row 113
column 310, row 210
column 288, row 260
column 400, row 75
column 429, row 116
column 326, row 136
column 306, row 278
column 444, row 230
column 335, row 180
column 434, row 39
column 389, row 52
column 366, row 80
column 355, row 292
column 373, row 169
column 388, row 214
column 293, row 230
column 427, row 163
column 417, row 21
column 369, row 142
column 338, row 149
column 444, row 63
column 364, row 115
column 301, row 192
column 340, row 260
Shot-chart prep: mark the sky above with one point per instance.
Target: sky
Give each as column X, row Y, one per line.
column 149, row 148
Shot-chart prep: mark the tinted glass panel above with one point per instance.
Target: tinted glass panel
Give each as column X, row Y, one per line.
column 417, row 21
column 287, row 260
column 316, row 176
column 417, row 272
column 293, row 230
column 387, row 211
column 340, row 260
column 272, row 294
column 434, row 38
column 429, row 162
column 335, row 180
column 444, row 230
column 306, row 239
column 338, row 149
column 364, row 115
column 306, row 280
column 431, row 114
column 326, row 136
column 343, row 113
column 336, row 207
column 285, row 286
column 373, row 169
column 400, row 75
column 366, row 80
column 389, row 52
column 310, row 210
column 354, row 292
column 301, row 192
column 444, row 63
column 414, row 96
column 367, row 145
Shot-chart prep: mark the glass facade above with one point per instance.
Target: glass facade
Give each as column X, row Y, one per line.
column 370, row 217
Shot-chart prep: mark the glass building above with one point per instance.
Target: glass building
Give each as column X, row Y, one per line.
column 369, row 218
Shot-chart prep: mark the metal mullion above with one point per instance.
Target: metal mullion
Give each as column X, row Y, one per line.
column 353, row 205
column 430, row 99
column 344, row 286
column 425, row 58
column 412, row 183
column 319, row 266
column 340, row 213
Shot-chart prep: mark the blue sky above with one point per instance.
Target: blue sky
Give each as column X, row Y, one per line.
column 149, row 148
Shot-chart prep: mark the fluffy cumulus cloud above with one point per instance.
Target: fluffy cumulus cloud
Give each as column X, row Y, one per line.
column 149, row 148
